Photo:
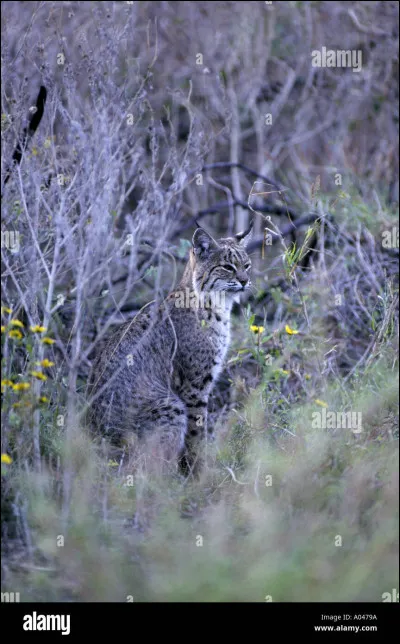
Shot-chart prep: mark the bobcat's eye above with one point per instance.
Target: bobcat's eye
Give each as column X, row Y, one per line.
column 228, row 267
column 247, row 266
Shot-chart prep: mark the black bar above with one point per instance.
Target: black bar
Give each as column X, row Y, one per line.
column 262, row 620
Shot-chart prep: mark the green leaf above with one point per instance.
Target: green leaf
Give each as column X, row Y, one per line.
column 151, row 272
column 183, row 249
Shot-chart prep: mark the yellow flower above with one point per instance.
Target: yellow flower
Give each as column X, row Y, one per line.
column 5, row 309
column 39, row 375
column 24, row 403
column 6, row 383
column 43, row 399
column 3, row 328
column 112, row 464
column 48, row 340
column 285, row 373
column 290, row 331
column 307, row 376
column 15, row 334
column 45, row 363
column 321, row 403
column 5, row 458
column 257, row 329
column 21, row 386
column 17, row 323
column 38, row 329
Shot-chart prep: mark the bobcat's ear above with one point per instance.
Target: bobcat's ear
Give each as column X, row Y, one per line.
column 244, row 238
column 203, row 243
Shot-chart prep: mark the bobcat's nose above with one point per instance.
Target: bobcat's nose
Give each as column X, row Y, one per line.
column 243, row 279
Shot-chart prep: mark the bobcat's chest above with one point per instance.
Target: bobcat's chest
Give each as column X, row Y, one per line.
column 202, row 350
column 217, row 332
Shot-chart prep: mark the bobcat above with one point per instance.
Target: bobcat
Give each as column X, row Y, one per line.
column 156, row 373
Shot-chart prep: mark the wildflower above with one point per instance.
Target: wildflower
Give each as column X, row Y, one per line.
column 45, row 363
column 24, row 403
column 112, row 464
column 21, row 386
column 290, row 331
column 38, row 329
column 6, row 459
column 17, row 323
column 5, row 309
column 6, row 383
column 39, row 375
column 48, row 340
column 321, row 403
column 15, row 334
column 257, row 329
column 3, row 328
column 284, row 372
column 43, row 399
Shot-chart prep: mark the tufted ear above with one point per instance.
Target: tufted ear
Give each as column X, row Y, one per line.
column 203, row 243
column 244, row 238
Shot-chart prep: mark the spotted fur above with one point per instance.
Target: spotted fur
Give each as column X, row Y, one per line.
column 156, row 373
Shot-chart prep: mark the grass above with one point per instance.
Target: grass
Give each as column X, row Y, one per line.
column 285, row 509
column 301, row 514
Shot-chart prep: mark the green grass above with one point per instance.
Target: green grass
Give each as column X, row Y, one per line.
column 310, row 515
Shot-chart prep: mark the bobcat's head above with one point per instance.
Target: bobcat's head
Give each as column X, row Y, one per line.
column 221, row 265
